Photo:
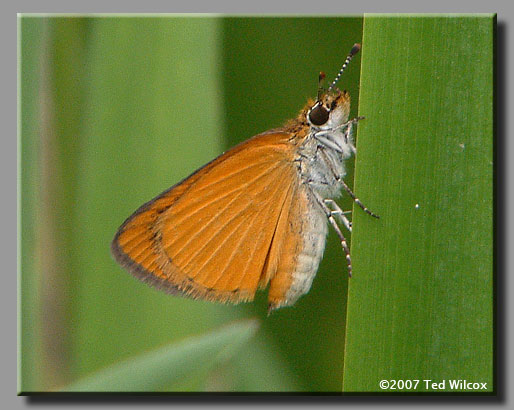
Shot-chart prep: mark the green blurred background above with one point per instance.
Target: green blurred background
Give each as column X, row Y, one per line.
column 115, row 110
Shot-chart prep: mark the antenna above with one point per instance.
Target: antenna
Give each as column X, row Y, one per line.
column 355, row 49
column 320, row 84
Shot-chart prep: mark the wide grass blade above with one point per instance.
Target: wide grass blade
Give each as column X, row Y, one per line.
column 182, row 366
column 421, row 300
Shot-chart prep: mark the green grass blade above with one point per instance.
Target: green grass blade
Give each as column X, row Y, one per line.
column 421, row 300
column 182, row 366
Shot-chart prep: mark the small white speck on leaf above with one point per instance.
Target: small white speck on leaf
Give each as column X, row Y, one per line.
column 416, row 206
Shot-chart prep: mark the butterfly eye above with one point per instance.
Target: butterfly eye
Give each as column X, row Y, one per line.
column 318, row 115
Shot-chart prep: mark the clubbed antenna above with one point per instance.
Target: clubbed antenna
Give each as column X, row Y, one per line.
column 355, row 49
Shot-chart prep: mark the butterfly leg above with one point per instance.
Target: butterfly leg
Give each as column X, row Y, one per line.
column 339, row 213
column 347, row 133
column 346, row 187
column 348, row 125
column 357, row 200
column 340, row 234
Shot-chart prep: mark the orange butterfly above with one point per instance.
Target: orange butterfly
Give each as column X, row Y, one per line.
column 254, row 216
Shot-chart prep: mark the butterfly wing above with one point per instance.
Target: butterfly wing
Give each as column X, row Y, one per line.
column 217, row 234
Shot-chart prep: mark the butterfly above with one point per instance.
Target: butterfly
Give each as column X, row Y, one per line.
column 254, row 217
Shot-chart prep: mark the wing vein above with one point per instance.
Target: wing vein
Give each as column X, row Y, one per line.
column 231, row 174
column 222, row 211
column 263, row 209
column 272, row 236
column 220, row 245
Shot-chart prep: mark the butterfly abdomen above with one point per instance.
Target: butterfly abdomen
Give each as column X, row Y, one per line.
column 298, row 265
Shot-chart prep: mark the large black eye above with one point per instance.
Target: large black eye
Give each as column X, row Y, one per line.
column 318, row 115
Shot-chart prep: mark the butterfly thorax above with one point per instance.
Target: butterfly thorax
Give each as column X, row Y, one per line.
column 321, row 154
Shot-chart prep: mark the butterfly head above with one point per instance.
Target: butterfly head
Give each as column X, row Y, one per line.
column 330, row 110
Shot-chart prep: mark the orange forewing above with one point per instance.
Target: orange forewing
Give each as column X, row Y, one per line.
column 218, row 234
